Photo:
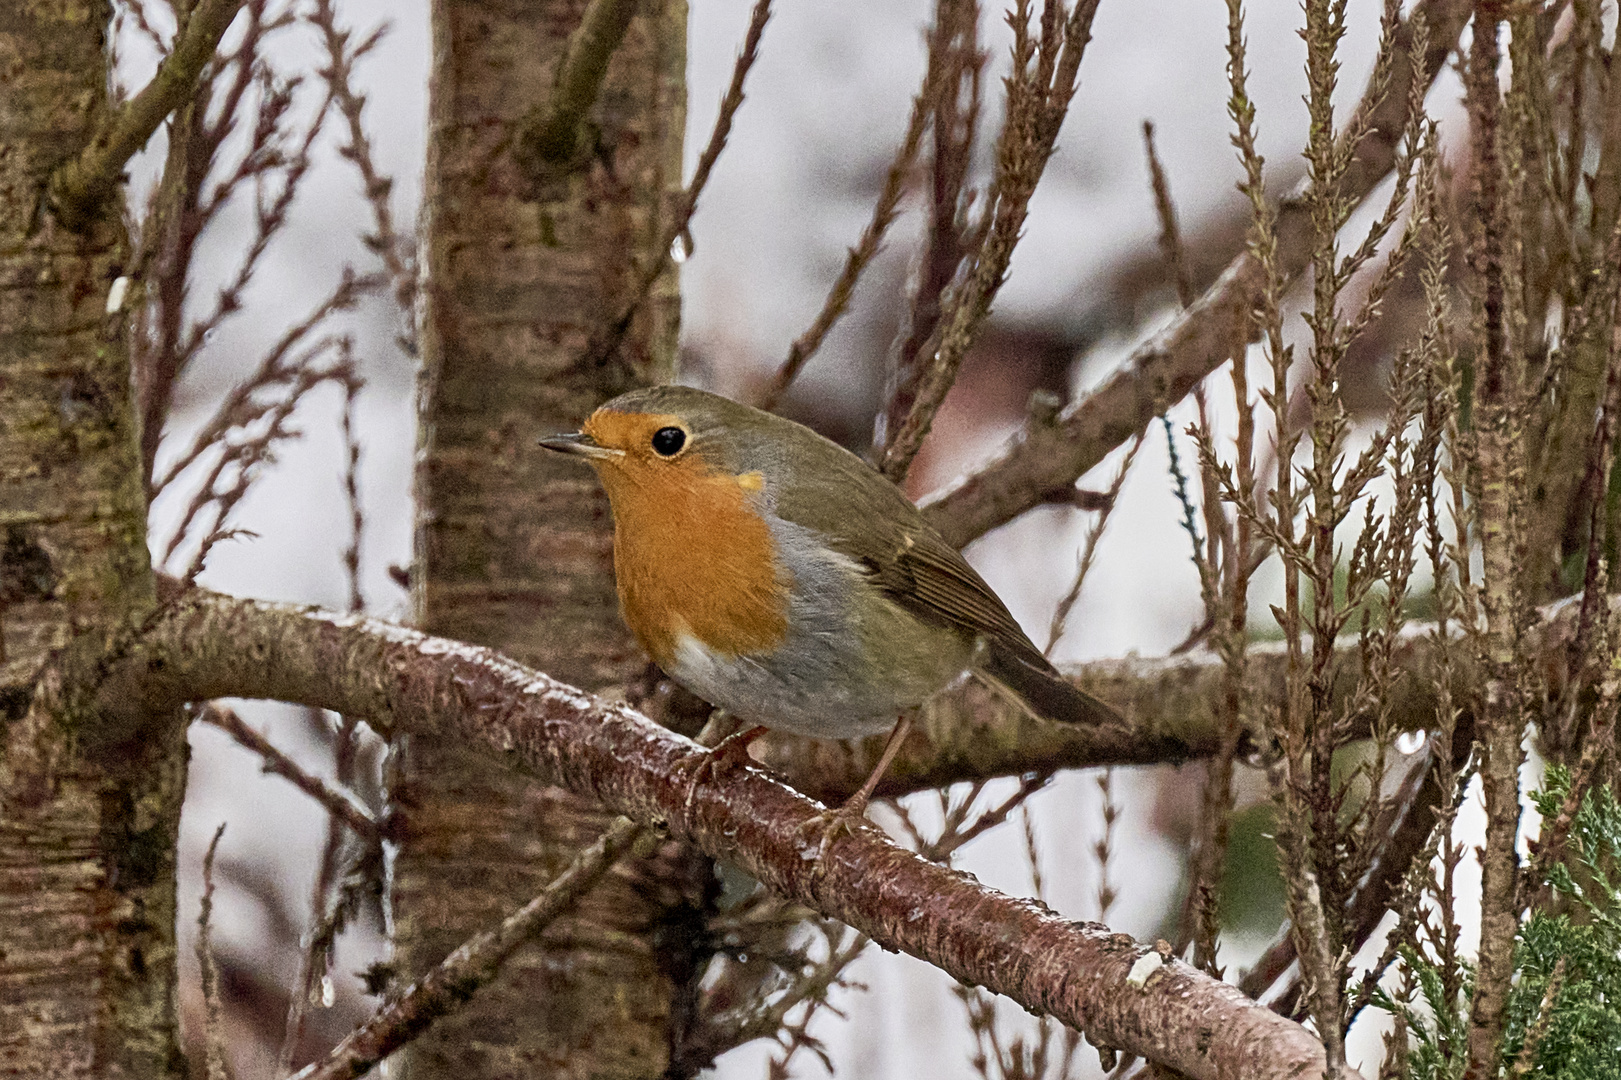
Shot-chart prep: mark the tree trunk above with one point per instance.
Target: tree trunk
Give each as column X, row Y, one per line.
column 514, row 544
column 89, row 811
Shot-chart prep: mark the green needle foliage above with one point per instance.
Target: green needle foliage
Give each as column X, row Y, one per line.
column 1564, row 1007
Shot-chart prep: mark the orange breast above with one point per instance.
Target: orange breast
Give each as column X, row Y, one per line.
column 692, row 556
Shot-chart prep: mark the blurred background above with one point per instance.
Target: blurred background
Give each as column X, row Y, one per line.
column 827, row 103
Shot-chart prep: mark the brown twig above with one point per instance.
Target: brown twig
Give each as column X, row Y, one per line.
column 394, row 250
column 1038, row 95
column 166, row 342
column 254, row 418
column 341, row 806
column 607, row 337
column 1170, row 235
column 859, row 257
column 1083, row 565
column 351, row 493
column 213, row 1012
column 1595, row 485
column 240, row 407
column 958, row 65
column 363, row 876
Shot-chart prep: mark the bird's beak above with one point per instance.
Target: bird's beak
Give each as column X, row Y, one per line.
column 579, row 444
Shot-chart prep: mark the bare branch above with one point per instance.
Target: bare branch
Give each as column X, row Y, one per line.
column 607, row 338
column 858, row 258
column 1037, row 101
column 213, row 1014
column 339, row 805
column 552, row 137
column 471, row 966
column 81, row 188
column 394, row 250
column 1174, row 709
column 1049, row 457
column 1499, row 462
column 1107, row 985
column 1170, row 233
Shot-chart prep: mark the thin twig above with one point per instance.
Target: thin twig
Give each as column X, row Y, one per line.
column 181, row 214
column 213, row 1011
column 956, row 66
column 1037, row 101
column 340, row 805
column 472, row 965
column 351, row 494
column 1170, row 235
column 395, row 251
column 859, row 257
column 363, row 878
column 239, row 407
column 1052, row 456
column 1105, row 845
column 607, row 338
column 1083, row 565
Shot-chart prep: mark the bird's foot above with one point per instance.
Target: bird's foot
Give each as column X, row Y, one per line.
column 844, row 818
column 730, row 753
column 840, row 819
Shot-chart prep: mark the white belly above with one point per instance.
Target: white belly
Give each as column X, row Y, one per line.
column 779, row 696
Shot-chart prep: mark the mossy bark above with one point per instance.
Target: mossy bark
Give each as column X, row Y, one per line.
column 89, row 807
column 514, row 545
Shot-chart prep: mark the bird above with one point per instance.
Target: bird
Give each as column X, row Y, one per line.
column 781, row 578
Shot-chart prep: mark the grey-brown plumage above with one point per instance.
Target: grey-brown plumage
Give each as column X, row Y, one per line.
column 883, row 613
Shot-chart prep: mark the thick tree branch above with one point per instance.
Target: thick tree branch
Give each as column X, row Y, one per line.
column 1104, row 984
column 81, row 187
column 1170, row 711
column 1044, row 461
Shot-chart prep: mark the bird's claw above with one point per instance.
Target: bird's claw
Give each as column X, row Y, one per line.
column 840, row 819
column 730, row 753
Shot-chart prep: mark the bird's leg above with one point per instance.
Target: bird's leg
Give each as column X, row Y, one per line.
column 730, row 752
column 856, row 804
column 854, row 808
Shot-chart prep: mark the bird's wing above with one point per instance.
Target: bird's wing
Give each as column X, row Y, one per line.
column 928, row 578
column 882, row 532
column 910, row 564
column 921, row 573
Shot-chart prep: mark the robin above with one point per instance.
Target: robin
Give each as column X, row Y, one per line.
column 778, row 576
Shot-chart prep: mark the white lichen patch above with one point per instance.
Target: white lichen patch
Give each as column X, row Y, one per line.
column 117, row 295
column 1148, row 963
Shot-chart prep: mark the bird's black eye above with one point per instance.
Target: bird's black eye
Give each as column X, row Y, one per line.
column 668, row 441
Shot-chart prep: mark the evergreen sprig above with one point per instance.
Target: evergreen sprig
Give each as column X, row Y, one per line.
column 1564, row 1008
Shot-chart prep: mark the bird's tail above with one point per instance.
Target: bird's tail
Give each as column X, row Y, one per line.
column 1037, row 688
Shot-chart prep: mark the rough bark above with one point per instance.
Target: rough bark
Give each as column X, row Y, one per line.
column 1106, row 985
column 89, row 807
column 514, row 544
